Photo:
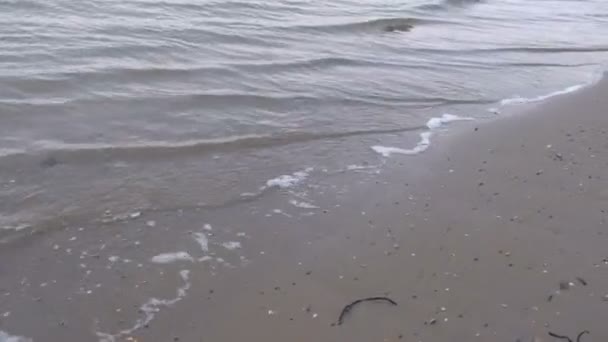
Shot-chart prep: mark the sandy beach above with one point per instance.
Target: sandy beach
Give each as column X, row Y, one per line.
column 496, row 233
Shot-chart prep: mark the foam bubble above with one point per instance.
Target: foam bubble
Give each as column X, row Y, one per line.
column 16, row 228
column 113, row 258
column 167, row 258
column 202, row 240
column 231, row 245
column 355, row 167
column 301, row 204
column 421, row 146
column 5, row 337
column 287, row 181
column 435, row 123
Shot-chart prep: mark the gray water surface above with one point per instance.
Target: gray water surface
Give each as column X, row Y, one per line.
column 155, row 104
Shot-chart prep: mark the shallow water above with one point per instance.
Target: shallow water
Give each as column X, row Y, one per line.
column 155, row 105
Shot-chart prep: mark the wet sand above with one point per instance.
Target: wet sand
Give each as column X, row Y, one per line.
column 496, row 233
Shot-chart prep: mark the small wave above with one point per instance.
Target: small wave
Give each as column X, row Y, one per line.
column 135, row 74
column 521, row 100
column 174, row 102
column 66, row 153
column 26, row 5
column 517, row 49
column 374, row 25
column 446, row 4
column 544, row 65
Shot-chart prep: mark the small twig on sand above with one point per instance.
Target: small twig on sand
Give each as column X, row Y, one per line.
column 347, row 309
column 578, row 338
column 560, row 337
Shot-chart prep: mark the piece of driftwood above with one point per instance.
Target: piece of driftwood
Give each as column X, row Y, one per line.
column 348, row 308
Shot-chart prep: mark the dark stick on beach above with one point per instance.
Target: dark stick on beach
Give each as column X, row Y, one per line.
column 578, row 338
column 348, row 308
column 561, row 337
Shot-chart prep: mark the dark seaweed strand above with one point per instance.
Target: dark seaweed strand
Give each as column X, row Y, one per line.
column 347, row 309
column 560, row 336
column 578, row 338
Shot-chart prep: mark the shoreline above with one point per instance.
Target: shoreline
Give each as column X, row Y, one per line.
column 494, row 234
column 16, row 227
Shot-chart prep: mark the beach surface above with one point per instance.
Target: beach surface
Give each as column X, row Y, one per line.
column 496, row 233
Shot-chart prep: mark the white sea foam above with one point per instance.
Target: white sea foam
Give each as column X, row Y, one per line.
column 113, row 258
column 421, row 146
column 202, row 240
column 425, row 137
column 231, row 245
column 16, row 228
column 5, row 337
column 6, row 152
column 435, row 123
column 248, row 194
column 355, row 167
column 167, row 258
column 149, row 309
column 287, row 181
column 521, row 100
column 302, row 204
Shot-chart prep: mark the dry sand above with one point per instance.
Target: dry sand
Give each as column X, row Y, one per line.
column 497, row 233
